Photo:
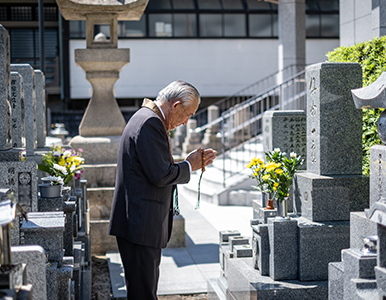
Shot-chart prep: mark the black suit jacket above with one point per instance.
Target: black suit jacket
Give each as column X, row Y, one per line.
column 146, row 177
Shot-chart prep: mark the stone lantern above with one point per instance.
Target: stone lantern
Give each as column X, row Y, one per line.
column 103, row 122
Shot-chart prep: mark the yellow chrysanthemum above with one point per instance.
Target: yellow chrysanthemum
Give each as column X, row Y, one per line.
column 279, row 171
column 255, row 174
column 249, row 165
column 62, row 162
column 274, row 188
column 260, row 161
column 276, row 184
column 258, row 169
column 287, row 195
column 278, row 165
column 266, row 177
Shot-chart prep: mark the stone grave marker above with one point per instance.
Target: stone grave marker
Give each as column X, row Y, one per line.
column 16, row 93
column 40, row 108
column 5, row 108
column 28, row 73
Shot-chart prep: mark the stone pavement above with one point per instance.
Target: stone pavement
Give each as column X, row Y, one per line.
column 186, row 270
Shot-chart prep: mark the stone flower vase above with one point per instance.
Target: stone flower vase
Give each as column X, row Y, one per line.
column 282, row 209
column 50, row 191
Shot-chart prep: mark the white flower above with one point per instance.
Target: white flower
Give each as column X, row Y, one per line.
column 67, row 153
column 60, row 168
column 293, row 154
column 72, row 169
column 55, row 180
column 57, row 153
column 277, row 150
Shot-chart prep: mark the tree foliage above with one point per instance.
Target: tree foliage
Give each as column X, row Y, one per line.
column 371, row 56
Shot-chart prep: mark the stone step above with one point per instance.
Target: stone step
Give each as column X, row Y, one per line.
column 217, row 288
column 100, row 200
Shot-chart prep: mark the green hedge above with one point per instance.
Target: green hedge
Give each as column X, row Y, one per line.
column 371, row 55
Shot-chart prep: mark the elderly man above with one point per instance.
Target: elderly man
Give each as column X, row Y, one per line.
column 142, row 210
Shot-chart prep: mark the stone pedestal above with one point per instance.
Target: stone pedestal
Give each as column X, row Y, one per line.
column 329, row 198
column 283, row 245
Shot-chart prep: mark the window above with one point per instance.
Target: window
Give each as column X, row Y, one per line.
column 219, row 19
column 211, row 25
column 185, row 25
column 235, row 25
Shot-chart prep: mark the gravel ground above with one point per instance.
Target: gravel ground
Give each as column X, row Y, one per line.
column 101, row 285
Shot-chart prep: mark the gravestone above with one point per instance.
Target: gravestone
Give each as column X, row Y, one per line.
column 334, row 125
column 17, row 106
column 285, row 130
column 28, row 74
column 40, row 108
column 5, row 116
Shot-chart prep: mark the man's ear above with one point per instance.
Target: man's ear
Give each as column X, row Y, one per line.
column 177, row 103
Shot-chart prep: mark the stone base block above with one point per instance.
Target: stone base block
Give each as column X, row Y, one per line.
column 177, row 238
column 100, row 175
column 360, row 227
column 330, row 198
column 335, row 281
column 99, row 200
column 319, row 244
column 101, row 242
column 244, row 282
column 357, row 265
column 242, row 251
column 237, row 240
column 260, row 246
column 283, row 244
column 97, row 150
column 225, row 256
column 217, row 289
column 225, row 234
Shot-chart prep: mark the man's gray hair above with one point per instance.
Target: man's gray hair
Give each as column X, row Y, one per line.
column 181, row 90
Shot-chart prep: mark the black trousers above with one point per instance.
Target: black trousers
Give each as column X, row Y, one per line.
column 141, row 265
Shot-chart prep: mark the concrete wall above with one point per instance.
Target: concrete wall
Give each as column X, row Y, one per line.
column 355, row 21
column 217, row 67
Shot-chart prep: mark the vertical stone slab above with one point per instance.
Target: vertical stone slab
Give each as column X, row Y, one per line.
column 40, row 108
column 28, row 73
column 16, row 94
column 283, row 244
column 5, row 109
column 377, row 173
column 334, row 125
column 285, row 130
column 35, row 258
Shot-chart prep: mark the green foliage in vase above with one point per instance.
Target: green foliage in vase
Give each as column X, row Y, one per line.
column 371, row 56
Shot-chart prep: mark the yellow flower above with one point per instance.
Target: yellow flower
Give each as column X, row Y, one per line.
column 255, row 174
column 287, row 195
column 278, row 165
column 260, row 161
column 266, row 177
column 276, row 184
column 62, row 162
column 249, row 165
column 274, row 188
column 279, row 171
column 257, row 169
column 270, row 167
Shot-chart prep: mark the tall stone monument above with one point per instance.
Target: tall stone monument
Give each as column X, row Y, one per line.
column 103, row 122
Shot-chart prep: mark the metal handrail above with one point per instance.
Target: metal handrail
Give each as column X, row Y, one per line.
column 245, row 93
column 242, row 123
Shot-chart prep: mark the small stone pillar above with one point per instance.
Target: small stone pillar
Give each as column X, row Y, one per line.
column 192, row 140
column 211, row 140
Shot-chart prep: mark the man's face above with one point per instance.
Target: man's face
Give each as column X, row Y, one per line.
column 180, row 114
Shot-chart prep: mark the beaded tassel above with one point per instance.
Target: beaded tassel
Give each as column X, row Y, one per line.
column 199, row 181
